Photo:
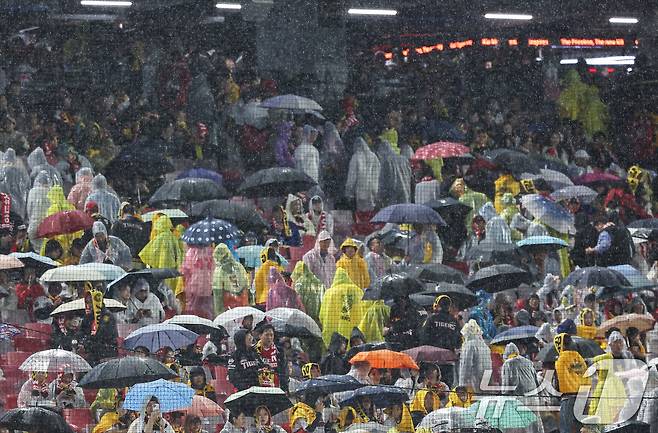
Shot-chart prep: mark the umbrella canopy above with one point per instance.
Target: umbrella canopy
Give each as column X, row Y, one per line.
column 196, row 324
column 151, row 275
column 210, row 231
column 514, row 334
column 460, row 295
column 587, row 349
column 512, row 161
column 54, row 361
column 497, row 278
column 79, row 305
column 171, row 213
column 110, row 272
column 649, row 223
column 293, row 322
column 9, row 262
column 203, row 407
column 492, row 252
column 31, row 419
column 8, row 332
column 447, row 205
column 130, row 164
column 431, row 272
column 249, row 400
column 201, row 173
column 431, row 354
column 155, row 337
column 408, row 213
column 595, row 276
column 502, row 413
column 549, row 213
column 68, row 221
column 555, row 178
column 172, row 396
column 634, row 276
column 33, row 260
column 250, row 255
column 328, row 384
column 397, row 285
column 595, row 180
column 241, row 215
column 441, row 149
column 72, row 273
column 188, row 190
column 232, row 319
column 542, row 241
column 291, row 102
column 447, row 419
column 276, row 181
column 580, row 192
column 385, row 359
column 123, row 372
column 369, row 347
column 380, row 395
column 424, row 301
column 643, row 322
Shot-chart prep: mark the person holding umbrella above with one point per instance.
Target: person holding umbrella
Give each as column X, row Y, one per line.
column 306, row 415
column 35, row 391
column 334, row 361
column 264, row 423
column 237, row 422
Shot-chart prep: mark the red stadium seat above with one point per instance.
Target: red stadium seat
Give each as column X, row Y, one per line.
column 15, row 359
column 28, row 344
column 11, row 401
column 90, row 395
column 79, row 417
column 37, row 330
column 124, row 329
column 296, row 253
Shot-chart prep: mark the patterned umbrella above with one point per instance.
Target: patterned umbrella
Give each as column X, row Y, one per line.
column 581, row 192
column 549, row 212
column 202, row 173
column 9, row 262
column 155, row 337
column 441, row 149
column 210, row 231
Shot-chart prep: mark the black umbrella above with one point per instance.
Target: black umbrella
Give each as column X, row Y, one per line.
column 448, row 205
column 493, row 252
column 128, row 371
column 241, row 215
column 512, row 161
column 329, row 384
column 151, row 275
column 629, row 427
column 276, row 181
column 408, row 213
column 431, row 272
column 586, row 348
column 34, row 419
column 138, row 161
column 423, row 299
column 188, row 190
column 460, row 295
column 396, row 285
column 649, row 223
column 596, row 276
column 497, row 278
column 249, row 400
column 380, row 395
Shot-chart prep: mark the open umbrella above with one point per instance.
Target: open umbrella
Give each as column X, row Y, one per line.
column 196, row 324
column 594, row 180
column 188, row 190
column 72, row 273
column 203, row 407
column 250, row 255
column 431, row 272
column 151, row 275
column 447, row 419
column 276, row 181
column 397, row 285
column 580, row 192
column 431, row 354
column 370, row 347
column 210, row 231
column 408, row 213
column 79, row 305
column 54, row 361
column 497, row 278
column 555, row 178
column 249, row 400
column 512, row 161
column 155, row 337
column 441, row 149
column 293, row 322
column 34, row 419
column 549, row 212
column 460, row 295
column 232, row 319
column 123, row 372
column 68, row 221
column 649, row 223
column 328, row 384
column 171, row 213
column 33, row 260
column 9, row 262
column 201, row 173
column 643, row 322
column 448, row 205
column 550, row 242
column 424, row 301
column 241, row 215
column 514, row 334
column 492, row 252
column 585, row 347
column 503, row 413
column 171, row 396
column 8, row 332
column 634, row 276
column 291, row 102
column 385, row 359
column 380, row 395
column 595, row 276
column 110, row 272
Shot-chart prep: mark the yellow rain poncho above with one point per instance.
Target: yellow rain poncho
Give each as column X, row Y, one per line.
column 609, row 396
column 505, row 184
column 455, row 401
column 418, row 405
column 59, row 203
column 164, row 250
column 406, row 424
column 582, row 103
column 310, row 289
column 342, row 308
column 356, row 267
column 377, row 315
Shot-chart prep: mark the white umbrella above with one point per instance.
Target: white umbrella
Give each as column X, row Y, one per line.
column 292, row 320
column 231, row 320
column 72, row 273
column 34, row 258
column 254, row 115
column 291, row 102
column 111, row 272
column 55, row 361
column 555, row 178
column 368, row 427
column 79, row 305
column 9, row 262
column 171, row 213
column 580, row 192
column 447, row 419
column 194, row 323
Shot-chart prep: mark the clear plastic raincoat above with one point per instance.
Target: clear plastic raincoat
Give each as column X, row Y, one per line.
column 230, row 282
column 363, row 177
column 37, row 162
column 107, row 201
column 197, row 270
column 475, row 357
column 15, row 181
column 394, row 177
column 116, row 252
column 307, row 157
column 82, row 188
column 342, row 308
column 310, row 289
column 37, row 206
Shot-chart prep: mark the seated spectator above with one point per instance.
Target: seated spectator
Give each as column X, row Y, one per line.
column 144, row 307
column 35, row 391
column 66, row 333
column 106, row 249
column 66, row 392
column 200, row 385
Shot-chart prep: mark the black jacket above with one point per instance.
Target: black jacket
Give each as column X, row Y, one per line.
column 441, row 330
column 103, row 344
column 245, row 363
column 621, row 249
column 404, row 323
column 334, row 362
column 133, row 232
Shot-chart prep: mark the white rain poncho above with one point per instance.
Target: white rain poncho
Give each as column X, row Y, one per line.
column 518, row 372
column 394, row 177
column 108, row 202
column 475, row 359
column 427, row 190
column 151, row 303
column 497, row 231
column 116, row 252
column 140, row 424
column 363, row 177
column 322, row 220
column 307, row 157
column 37, row 205
column 37, row 162
column 15, row 181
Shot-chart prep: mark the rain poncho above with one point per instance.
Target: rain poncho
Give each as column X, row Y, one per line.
column 570, row 367
column 37, row 205
column 116, row 252
column 295, row 214
column 280, row 294
column 107, row 201
column 394, row 177
column 356, row 267
column 425, row 247
column 518, row 372
column 503, row 185
column 140, row 424
column 324, row 268
column 473, row 199
column 230, row 282
column 58, row 203
column 34, row 393
column 322, row 220
column 37, row 162
column 15, row 181
column 498, row 232
column 610, row 394
column 261, row 283
column 363, row 177
column 151, row 303
column 197, row 270
column 455, row 401
column 427, row 190
column 475, row 359
column 307, row 157
column 374, row 321
column 163, row 250
column 342, row 308
column 310, row 289
column 482, row 315
column 282, row 145
column 332, row 161
column 82, row 188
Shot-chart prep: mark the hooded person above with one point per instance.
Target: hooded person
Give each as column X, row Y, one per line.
column 15, row 181
column 334, row 361
column 394, row 177
column 460, row 396
column 376, row 259
column 333, row 164
column 307, row 156
column 59, row 203
column 309, row 288
column 505, row 184
column 306, row 415
column 144, row 308
column 66, row 392
column 425, row 246
column 106, row 199
column 245, row 364
column 150, row 420
column 164, row 250
column 82, row 188
column 342, row 308
column 363, row 177
column 570, row 370
column 473, row 199
column 295, row 214
column 199, row 383
column 586, row 327
column 518, row 372
column 197, row 269
column 269, row 259
column 131, row 229
column 320, row 261
column 230, row 281
column 321, row 219
column 106, row 249
column 475, row 358
column 280, row 294
column 37, row 162
column 481, row 313
column 426, row 398
column 35, row 391
column 441, row 329
column 352, row 262
column 37, row 206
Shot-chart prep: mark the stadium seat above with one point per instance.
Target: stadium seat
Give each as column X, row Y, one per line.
column 90, row 395
column 11, row 401
column 18, row 317
column 296, row 253
column 28, row 344
column 124, row 329
column 37, row 330
column 81, row 417
column 15, row 359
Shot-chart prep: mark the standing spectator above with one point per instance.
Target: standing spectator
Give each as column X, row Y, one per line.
column 475, row 358
column 274, row 357
column 197, row 270
column 130, row 228
column 441, row 329
column 107, row 201
column 376, row 259
column 307, row 157
column 321, row 219
column 354, row 264
column 280, row 294
column 82, row 188
column 363, row 178
column 15, row 181
column 270, row 259
column 570, row 369
column 320, row 260
column 230, row 282
column 342, row 308
column 334, row 361
column 245, row 364
column 37, row 206
column 394, row 177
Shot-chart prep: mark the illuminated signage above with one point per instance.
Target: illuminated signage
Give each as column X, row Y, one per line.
column 458, row 45
column 592, row 42
column 488, row 42
column 538, row 42
column 512, row 42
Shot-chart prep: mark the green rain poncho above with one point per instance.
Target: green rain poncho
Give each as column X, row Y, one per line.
column 230, row 278
column 374, row 321
column 310, row 289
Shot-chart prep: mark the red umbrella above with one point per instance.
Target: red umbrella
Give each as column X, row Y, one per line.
column 441, row 149
column 65, row 222
column 596, row 178
column 431, row 354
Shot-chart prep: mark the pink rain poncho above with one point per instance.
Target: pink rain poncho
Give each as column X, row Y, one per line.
column 324, row 268
column 82, row 188
column 281, row 294
column 197, row 270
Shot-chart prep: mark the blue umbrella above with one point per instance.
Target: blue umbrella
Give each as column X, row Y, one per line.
column 518, row 333
column 155, row 337
column 408, row 213
column 549, row 212
column 202, row 173
column 381, row 396
column 541, row 240
column 328, row 384
column 250, row 255
column 210, row 231
column 172, row 396
column 637, row 279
